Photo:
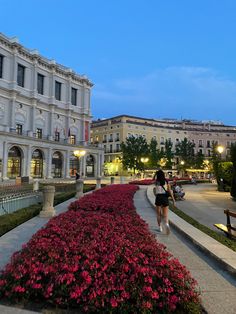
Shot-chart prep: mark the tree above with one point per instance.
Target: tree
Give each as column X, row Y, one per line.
column 154, row 154
column 233, row 159
column 199, row 158
column 133, row 149
column 185, row 150
column 168, row 154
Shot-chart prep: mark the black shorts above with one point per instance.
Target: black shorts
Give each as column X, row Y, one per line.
column 161, row 200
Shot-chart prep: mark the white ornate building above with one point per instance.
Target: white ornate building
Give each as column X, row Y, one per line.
column 44, row 117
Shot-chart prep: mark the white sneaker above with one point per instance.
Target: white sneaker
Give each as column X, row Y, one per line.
column 159, row 228
column 167, row 227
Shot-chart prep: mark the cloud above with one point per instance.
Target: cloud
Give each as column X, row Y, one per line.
column 187, row 92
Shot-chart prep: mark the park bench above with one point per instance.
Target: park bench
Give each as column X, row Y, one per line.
column 229, row 229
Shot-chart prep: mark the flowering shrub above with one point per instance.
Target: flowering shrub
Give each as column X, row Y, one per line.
column 143, row 182
column 99, row 259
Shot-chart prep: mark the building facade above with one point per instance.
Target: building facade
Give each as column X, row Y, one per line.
column 44, row 117
column 113, row 131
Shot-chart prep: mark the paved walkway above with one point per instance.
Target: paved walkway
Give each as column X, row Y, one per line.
column 205, row 204
column 218, row 288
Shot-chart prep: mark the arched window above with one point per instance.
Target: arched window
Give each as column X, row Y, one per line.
column 90, row 166
column 14, row 163
column 37, row 164
column 57, row 165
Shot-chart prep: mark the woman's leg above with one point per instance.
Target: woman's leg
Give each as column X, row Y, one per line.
column 158, row 210
column 165, row 217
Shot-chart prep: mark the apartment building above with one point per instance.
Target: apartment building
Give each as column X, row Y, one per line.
column 113, row 131
column 44, row 117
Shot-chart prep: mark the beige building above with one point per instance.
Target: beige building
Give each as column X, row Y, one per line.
column 113, row 131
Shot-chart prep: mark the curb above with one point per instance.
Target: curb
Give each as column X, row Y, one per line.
column 214, row 249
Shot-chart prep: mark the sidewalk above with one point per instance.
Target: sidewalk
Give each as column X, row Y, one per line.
column 217, row 289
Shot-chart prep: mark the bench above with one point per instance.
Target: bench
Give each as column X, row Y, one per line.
column 229, row 229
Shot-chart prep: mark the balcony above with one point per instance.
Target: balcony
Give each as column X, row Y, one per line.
column 117, row 139
column 111, row 140
column 104, row 141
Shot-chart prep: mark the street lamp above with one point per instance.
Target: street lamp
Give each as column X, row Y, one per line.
column 144, row 160
column 182, row 162
column 220, row 149
column 79, row 153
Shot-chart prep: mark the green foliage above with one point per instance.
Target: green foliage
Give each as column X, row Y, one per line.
column 233, row 159
column 133, row 149
column 168, row 154
column 154, row 154
column 225, row 170
column 185, row 150
column 199, row 157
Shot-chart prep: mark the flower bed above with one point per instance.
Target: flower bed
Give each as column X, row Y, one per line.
column 143, row 182
column 99, row 257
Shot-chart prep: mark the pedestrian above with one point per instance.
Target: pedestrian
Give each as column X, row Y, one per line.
column 77, row 176
column 162, row 190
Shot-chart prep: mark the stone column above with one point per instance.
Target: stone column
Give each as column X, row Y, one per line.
column 12, row 111
column 79, row 188
column 28, row 162
column 49, row 163
column 4, row 161
column 36, row 185
column 102, row 164
column 98, row 165
column 67, row 165
column 112, row 180
column 83, row 168
column 98, row 184
column 48, row 199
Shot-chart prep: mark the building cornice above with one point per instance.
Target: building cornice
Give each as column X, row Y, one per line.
column 33, row 55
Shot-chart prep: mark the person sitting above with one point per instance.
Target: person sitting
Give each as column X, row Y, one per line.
column 178, row 192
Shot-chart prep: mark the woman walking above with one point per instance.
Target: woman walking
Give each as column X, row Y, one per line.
column 162, row 190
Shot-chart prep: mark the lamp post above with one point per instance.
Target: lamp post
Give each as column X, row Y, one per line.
column 79, row 153
column 220, row 150
column 182, row 163
column 144, row 160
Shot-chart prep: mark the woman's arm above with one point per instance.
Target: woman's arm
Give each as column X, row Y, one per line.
column 171, row 193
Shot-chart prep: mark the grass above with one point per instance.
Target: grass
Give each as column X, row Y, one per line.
column 230, row 243
column 11, row 221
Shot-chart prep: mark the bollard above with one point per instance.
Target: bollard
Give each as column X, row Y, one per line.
column 122, row 180
column 48, row 199
column 112, row 180
column 98, row 185
column 79, row 188
column 36, row 185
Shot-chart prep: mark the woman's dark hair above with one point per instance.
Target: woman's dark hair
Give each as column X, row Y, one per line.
column 160, row 177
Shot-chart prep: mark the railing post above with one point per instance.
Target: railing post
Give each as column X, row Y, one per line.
column 79, row 188
column 36, row 185
column 112, row 180
column 48, row 199
column 98, row 185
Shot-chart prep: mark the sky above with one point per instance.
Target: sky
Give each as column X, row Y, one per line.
column 147, row 58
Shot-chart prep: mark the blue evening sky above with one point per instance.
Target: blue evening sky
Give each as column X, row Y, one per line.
column 149, row 58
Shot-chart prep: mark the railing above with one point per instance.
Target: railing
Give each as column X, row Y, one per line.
column 12, row 202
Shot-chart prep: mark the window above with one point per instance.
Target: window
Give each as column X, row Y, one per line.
column 162, row 140
column 40, row 84
column 74, row 96
column 20, row 75
column 105, row 148
column 117, row 147
column 57, row 90
column 117, row 136
column 72, row 139
column 200, row 143
column 209, row 153
column 104, row 138
column 19, row 128
column 1, row 66
column 200, row 151
column 57, row 136
column 208, row 144
column 39, row 133
column 111, row 148
column 111, row 138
